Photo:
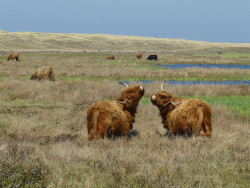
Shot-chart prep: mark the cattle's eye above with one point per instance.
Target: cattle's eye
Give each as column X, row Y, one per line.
column 163, row 97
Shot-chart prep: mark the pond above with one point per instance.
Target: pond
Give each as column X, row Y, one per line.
column 196, row 82
column 222, row 66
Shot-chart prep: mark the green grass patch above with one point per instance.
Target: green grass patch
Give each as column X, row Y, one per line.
column 239, row 104
column 226, row 55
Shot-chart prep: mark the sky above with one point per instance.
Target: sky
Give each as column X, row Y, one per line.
column 200, row 20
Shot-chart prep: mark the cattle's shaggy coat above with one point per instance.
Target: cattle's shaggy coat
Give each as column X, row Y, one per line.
column 43, row 73
column 116, row 117
column 184, row 116
column 138, row 56
column 13, row 56
column 111, row 57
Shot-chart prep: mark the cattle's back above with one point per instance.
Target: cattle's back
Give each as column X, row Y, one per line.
column 190, row 110
column 111, row 107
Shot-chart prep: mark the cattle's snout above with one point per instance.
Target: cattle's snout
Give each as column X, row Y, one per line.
column 153, row 99
column 141, row 89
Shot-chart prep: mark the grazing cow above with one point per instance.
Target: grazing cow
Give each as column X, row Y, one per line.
column 13, row 56
column 116, row 117
column 111, row 57
column 43, row 73
column 139, row 55
column 184, row 117
column 152, row 57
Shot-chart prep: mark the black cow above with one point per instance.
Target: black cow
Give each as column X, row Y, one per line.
column 152, row 57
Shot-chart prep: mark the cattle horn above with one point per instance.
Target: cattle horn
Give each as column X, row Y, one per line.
column 28, row 73
column 121, row 102
column 175, row 104
column 162, row 85
column 123, row 83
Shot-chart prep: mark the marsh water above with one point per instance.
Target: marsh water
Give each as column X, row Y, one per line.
column 197, row 82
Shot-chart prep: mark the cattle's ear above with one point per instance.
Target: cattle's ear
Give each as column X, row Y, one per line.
column 121, row 102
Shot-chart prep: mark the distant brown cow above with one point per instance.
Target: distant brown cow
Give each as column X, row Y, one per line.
column 43, row 73
column 111, row 57
column 139, row 55
column 116, row 117
column 13, row 56
column 185, row 117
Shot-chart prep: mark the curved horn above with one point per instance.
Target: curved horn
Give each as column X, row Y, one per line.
column 175, row 104
column 28, row 73
column 162, row 85
column 123, row 83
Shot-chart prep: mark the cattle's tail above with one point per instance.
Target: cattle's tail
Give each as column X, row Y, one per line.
column 207, row 124
column 197, row 122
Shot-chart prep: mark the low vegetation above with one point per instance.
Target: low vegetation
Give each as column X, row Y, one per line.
column 62, row 42
column 44, row 140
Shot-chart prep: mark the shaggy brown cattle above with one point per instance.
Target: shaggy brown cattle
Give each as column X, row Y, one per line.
column 116, row 117
column 111, row 57
column 184, row 117
column 43, row 73
column 13, row 56
column 139, row 55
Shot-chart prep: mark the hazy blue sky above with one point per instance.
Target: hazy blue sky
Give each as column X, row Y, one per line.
column 203, row 20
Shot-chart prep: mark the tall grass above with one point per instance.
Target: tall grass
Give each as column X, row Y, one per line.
column 43, row 134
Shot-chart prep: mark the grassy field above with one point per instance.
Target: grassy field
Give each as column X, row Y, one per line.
column 61, row 42
column 43, row 134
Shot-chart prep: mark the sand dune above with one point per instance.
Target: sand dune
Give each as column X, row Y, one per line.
column 33, row 41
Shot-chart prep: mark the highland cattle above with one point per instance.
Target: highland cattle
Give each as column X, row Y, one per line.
column 114, row 118
column 13, row 56
column 43, row 73
column 139, row 56
column 181, row 117
column 111, row 57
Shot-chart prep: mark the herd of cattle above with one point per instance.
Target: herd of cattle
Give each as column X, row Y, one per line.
column 138, row 56
column 115, row 118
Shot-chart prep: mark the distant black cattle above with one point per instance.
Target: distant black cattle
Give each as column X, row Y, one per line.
column 152, row 57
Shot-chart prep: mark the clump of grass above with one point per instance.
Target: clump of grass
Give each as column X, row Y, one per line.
column 20, row 176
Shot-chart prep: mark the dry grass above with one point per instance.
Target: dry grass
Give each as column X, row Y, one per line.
column 30, row 41
column 43, row 126
column 43, row 134
column 125, row 67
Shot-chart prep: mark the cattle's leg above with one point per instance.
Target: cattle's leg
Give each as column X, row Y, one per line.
column 207, row 126
column 91, row 135
column 126, row 130
column 100, row 133
column 17, row 59
column 103, row 123
column 207, row 114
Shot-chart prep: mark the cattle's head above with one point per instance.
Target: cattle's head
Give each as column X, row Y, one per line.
column 33, row 76
column 162, row 99
column 51, row 77
column 131, row 96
